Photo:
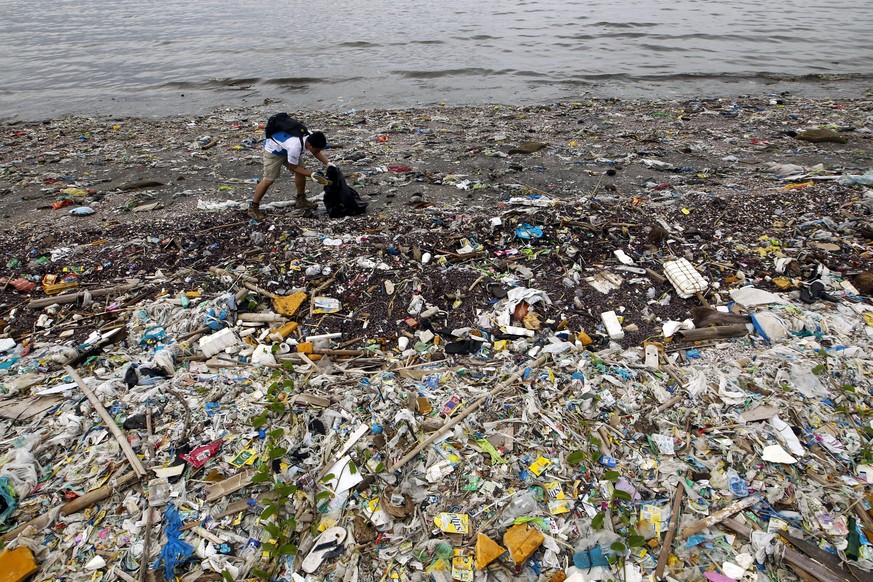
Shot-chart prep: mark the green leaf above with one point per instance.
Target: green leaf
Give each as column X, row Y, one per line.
column 621, row 495
column 594, row 441
column 277, row 408
column 277, row 452
column 269, row 547
column 270, row 510
column 618, row 548
column 289, row 523
column 322, row 495
column 380, row 467
column 352, row 468
column 328, row 478
column 611, row 476
column 276, row 433
column 258, row 573
column 259, row 420
column 288, row 550
column 597, row 522
column 272, row 529
column 227, row 576
column 274, row 348
column 261, row 477
column 635, row 541
column 576, row 457
column 287, row 365
column 285, row 489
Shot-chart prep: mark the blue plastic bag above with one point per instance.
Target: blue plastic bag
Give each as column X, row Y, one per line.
column 175, row 551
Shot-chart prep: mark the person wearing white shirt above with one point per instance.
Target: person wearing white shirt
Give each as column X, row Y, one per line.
column 284, row 149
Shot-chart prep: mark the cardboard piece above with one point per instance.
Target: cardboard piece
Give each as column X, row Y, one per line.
column 487, row 550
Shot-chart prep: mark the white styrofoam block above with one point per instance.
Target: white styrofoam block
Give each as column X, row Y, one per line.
column 613, row 327
column 218, row 342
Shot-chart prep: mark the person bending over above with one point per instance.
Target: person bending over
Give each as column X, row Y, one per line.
column 287, row 141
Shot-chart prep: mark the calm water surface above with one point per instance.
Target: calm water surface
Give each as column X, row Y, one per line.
column 152, row 58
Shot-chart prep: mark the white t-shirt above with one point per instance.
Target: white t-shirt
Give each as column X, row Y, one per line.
column 284, row 144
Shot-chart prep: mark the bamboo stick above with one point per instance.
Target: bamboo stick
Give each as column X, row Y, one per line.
column 110, row 424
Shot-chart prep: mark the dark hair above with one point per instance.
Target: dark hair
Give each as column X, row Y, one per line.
column 317, row 140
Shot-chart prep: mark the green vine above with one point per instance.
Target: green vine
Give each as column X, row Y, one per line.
column 276, row 518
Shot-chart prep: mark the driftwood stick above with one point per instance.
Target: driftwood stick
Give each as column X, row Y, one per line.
column 78, row 504
column 73, row 297
column 110, row 424
column 671, row 533
column 146, row 545
column 455, row 420
column 246, row 281
column 718, row 516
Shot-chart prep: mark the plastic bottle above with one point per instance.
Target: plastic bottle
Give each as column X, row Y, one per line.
column 519, row 506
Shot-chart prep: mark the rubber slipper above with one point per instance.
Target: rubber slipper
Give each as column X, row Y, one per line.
column 466, row 346
column 325, row 544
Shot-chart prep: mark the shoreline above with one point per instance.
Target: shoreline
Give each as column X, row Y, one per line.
column 159, row 102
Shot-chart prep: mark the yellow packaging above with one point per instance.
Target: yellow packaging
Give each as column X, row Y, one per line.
column 462, row 568
column 539, row 466
column 453, row 522
column 558, row 502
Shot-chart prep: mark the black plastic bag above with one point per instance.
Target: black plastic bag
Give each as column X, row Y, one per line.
column 340, row 199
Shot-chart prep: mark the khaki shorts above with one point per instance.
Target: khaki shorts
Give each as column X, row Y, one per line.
column 273, row 165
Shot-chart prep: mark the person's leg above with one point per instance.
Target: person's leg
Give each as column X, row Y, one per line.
column 300, row 184
column 260, row 190
column 272, row 166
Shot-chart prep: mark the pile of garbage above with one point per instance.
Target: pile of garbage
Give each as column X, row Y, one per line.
column 578, row 387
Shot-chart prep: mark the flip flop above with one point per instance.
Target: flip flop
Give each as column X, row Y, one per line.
column 326, row 543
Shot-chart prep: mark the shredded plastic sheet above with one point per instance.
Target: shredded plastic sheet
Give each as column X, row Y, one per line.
column 175, row 551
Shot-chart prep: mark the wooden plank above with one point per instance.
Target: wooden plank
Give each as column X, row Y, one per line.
column 671, row 533
column 27, row 408
column 230, row 485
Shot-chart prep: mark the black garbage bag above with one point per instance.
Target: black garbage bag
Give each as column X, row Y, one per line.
column 340, row 199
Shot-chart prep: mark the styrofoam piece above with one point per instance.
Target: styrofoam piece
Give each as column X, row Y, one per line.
column 324, row 336
column 216, row 343
column 515, row 330
column 652, row 357
column 685, row 278
column 613, row 327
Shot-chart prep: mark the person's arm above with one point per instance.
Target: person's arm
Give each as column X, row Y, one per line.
column 321, row 157
column 299, row 170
